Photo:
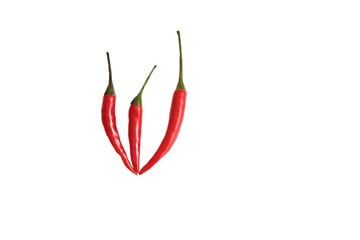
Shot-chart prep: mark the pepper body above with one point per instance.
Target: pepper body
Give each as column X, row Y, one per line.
column 135, row 123
column 176, row 117
column 109, row 121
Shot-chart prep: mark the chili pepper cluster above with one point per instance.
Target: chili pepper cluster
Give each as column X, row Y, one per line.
column 176, row 116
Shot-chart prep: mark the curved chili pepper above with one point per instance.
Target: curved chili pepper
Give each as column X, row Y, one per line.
column 109, row 119
column 175, row 119
column 135, row 122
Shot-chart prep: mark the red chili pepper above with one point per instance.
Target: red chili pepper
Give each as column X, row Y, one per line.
column 175, row 119
column 109, row 119
column 135, row 122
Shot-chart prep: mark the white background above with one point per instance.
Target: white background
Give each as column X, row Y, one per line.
column 269, row 147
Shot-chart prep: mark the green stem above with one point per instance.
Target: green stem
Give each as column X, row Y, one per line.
column 138, row 99
column 110, row 88
column 180, row 84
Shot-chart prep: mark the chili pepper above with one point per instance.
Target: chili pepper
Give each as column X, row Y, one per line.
column 175, row 119
column 135, row 122
column 109, row 120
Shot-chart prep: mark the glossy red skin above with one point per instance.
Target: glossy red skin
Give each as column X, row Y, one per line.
column 108, row 118
column 176, row 117
column 134, row 132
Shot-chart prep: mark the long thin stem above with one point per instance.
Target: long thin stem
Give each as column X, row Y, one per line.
column 180, row 84
column 110, row 88
column 147, row 79
column 138, row 99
